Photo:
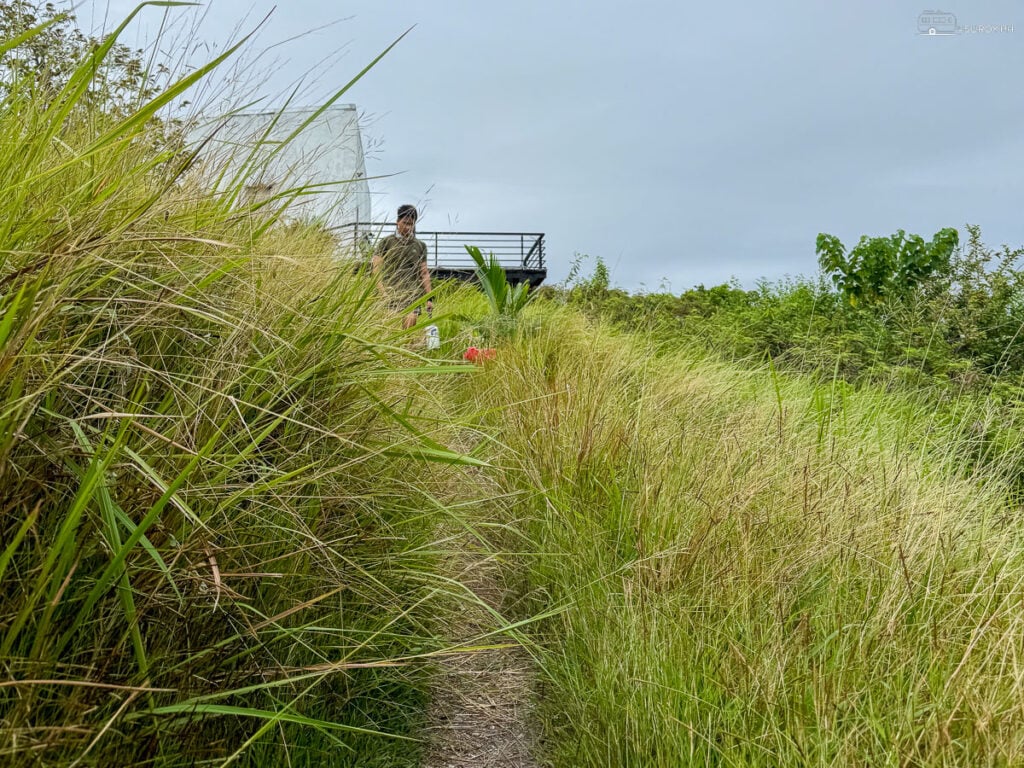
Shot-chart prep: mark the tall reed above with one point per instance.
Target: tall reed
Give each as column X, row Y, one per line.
column 213, row 548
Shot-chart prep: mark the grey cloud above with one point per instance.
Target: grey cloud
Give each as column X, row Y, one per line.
column 691, row 142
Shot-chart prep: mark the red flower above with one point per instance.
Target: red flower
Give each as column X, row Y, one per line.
column 478, row 356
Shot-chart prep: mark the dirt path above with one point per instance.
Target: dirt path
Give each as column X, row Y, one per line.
column 481, row 709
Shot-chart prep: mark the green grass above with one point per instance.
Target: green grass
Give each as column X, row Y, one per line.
column 216, row 544
column 229, row 486
column 753, row 570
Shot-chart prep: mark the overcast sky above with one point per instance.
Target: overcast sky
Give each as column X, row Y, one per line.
column 681, row 142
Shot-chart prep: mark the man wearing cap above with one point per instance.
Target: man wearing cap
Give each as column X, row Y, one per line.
column 400, row 262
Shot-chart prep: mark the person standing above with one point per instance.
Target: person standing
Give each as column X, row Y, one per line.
column 400, row 263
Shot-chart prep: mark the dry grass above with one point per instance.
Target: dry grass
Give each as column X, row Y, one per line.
column 754, row 572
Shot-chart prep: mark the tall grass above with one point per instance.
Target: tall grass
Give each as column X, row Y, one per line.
column 214, row 545
column 749, row 569
column 222, row 476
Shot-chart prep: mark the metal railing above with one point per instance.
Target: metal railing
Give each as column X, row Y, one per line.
column 521, row 250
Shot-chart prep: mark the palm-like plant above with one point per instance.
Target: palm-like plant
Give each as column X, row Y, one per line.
column 504, row 299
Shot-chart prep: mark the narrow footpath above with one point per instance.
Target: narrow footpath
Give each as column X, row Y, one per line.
column 480, row 715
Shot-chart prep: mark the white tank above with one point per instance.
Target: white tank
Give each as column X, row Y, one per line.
column 328, row 150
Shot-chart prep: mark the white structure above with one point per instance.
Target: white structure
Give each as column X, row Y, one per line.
column 326, row 157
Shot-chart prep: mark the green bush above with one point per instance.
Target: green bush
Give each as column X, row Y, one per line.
column 886, row 267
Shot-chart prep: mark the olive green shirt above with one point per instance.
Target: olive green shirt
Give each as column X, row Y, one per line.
column 401, row 268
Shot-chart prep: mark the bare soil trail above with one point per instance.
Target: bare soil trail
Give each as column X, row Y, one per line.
column 481, row 711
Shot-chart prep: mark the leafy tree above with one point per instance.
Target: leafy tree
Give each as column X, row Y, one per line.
column 886, row 267
column 47, row 59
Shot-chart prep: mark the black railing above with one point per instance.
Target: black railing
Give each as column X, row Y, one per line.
column 520, row 250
